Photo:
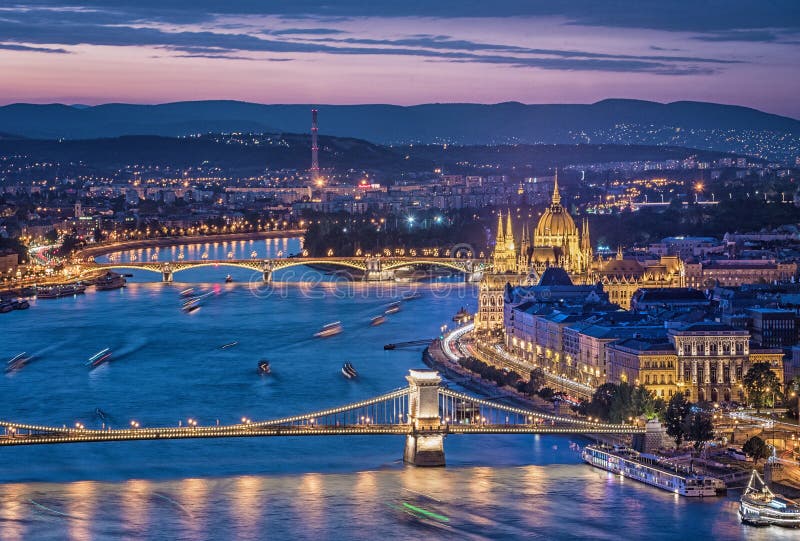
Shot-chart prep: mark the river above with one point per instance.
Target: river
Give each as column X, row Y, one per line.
column 168, row 367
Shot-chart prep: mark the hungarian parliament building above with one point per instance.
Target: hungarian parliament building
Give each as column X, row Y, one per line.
column 553, row 303
column 557, row 243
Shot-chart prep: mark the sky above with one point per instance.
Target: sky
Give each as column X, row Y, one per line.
column 742, row 52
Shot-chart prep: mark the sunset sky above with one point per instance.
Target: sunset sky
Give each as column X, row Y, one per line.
column 740, row 52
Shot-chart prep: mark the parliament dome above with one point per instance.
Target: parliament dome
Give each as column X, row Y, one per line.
column 556, row 221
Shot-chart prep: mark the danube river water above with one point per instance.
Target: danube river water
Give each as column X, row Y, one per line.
column 168, row 367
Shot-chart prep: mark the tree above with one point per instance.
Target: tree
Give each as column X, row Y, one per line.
column 536, row 381
column 677, row 410
column 761, row 383
column 757, row 448
column 698, row 428
column 602, row 400
column 546, row 393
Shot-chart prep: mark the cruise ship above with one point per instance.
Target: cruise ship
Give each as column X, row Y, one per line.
column 56, row 292
column 760, row 506
column 651, row 470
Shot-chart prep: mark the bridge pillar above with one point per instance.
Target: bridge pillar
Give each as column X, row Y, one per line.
column 425, row 444
column 267, row 269
column 470, row 273
column 374, row 270
column 166, row 274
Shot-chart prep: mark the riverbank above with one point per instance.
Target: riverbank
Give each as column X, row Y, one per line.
column 435, row 357
column 102, row 249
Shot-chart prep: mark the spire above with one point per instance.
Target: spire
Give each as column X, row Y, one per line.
column 586, row 244
column 556, row 195
column 500, row 238
column 619, row 253
column 509, row 232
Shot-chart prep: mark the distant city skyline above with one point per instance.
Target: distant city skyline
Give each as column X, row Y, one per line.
column 738, row 52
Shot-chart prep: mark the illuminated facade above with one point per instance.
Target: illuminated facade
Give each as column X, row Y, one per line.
column 506, row 269
column 557, row 243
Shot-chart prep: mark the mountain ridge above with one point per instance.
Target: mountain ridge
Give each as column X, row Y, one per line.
column 461, row 123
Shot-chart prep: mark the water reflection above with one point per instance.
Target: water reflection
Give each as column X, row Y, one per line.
column 12, row 512
column 135, row 506
column 248, row 506
column 80, row 506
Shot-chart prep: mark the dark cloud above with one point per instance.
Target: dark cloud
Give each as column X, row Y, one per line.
column 306, row 32
column 446, row 42
column 17, row 47
column 765, row 36
column 117, row 23
column 675, row 15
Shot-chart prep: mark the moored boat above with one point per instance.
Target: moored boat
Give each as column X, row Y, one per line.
column 331, row 329
column 349, row 371
column 111, row 280
column 759, row 506
column 651, row 470
column 377, row 320
column 56, row 292
column 99, row 358
column 411, row 295
column 392, row 308
column 20, row 304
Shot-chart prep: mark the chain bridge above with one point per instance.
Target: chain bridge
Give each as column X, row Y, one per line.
column 373, row 268
column 425, row 412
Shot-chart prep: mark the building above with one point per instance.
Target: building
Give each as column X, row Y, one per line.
column 9, row 262
column 504, row 270
column 623, row 277
column 669, row 298
column 650, row 362
column 772, row 327
column 734, row 272
column 556, row 241
column 706, row 361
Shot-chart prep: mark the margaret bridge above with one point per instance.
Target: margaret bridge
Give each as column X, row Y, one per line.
column 372, row 268
column 425, row 412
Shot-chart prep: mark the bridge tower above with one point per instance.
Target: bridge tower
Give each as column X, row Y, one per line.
column 166, row 273
column 425, row 444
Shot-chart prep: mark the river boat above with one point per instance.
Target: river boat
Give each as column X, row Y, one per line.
column 759, row 506
column 263, row 367
column 110, row 281
column 331, row 329
column 651, row 470
column 349, row 371
column 411, row 295
column 462, row 316
column 188, row 292
column 17, row 362
column 377, row 320
column 228, row 279
column 20, row 304
column 56, row 292
column 99, row 358
column 393, row 308
column 229, row 345
column 5, row 307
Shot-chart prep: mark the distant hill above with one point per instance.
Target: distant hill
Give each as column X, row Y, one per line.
column 432, row 123
column 250, row 154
